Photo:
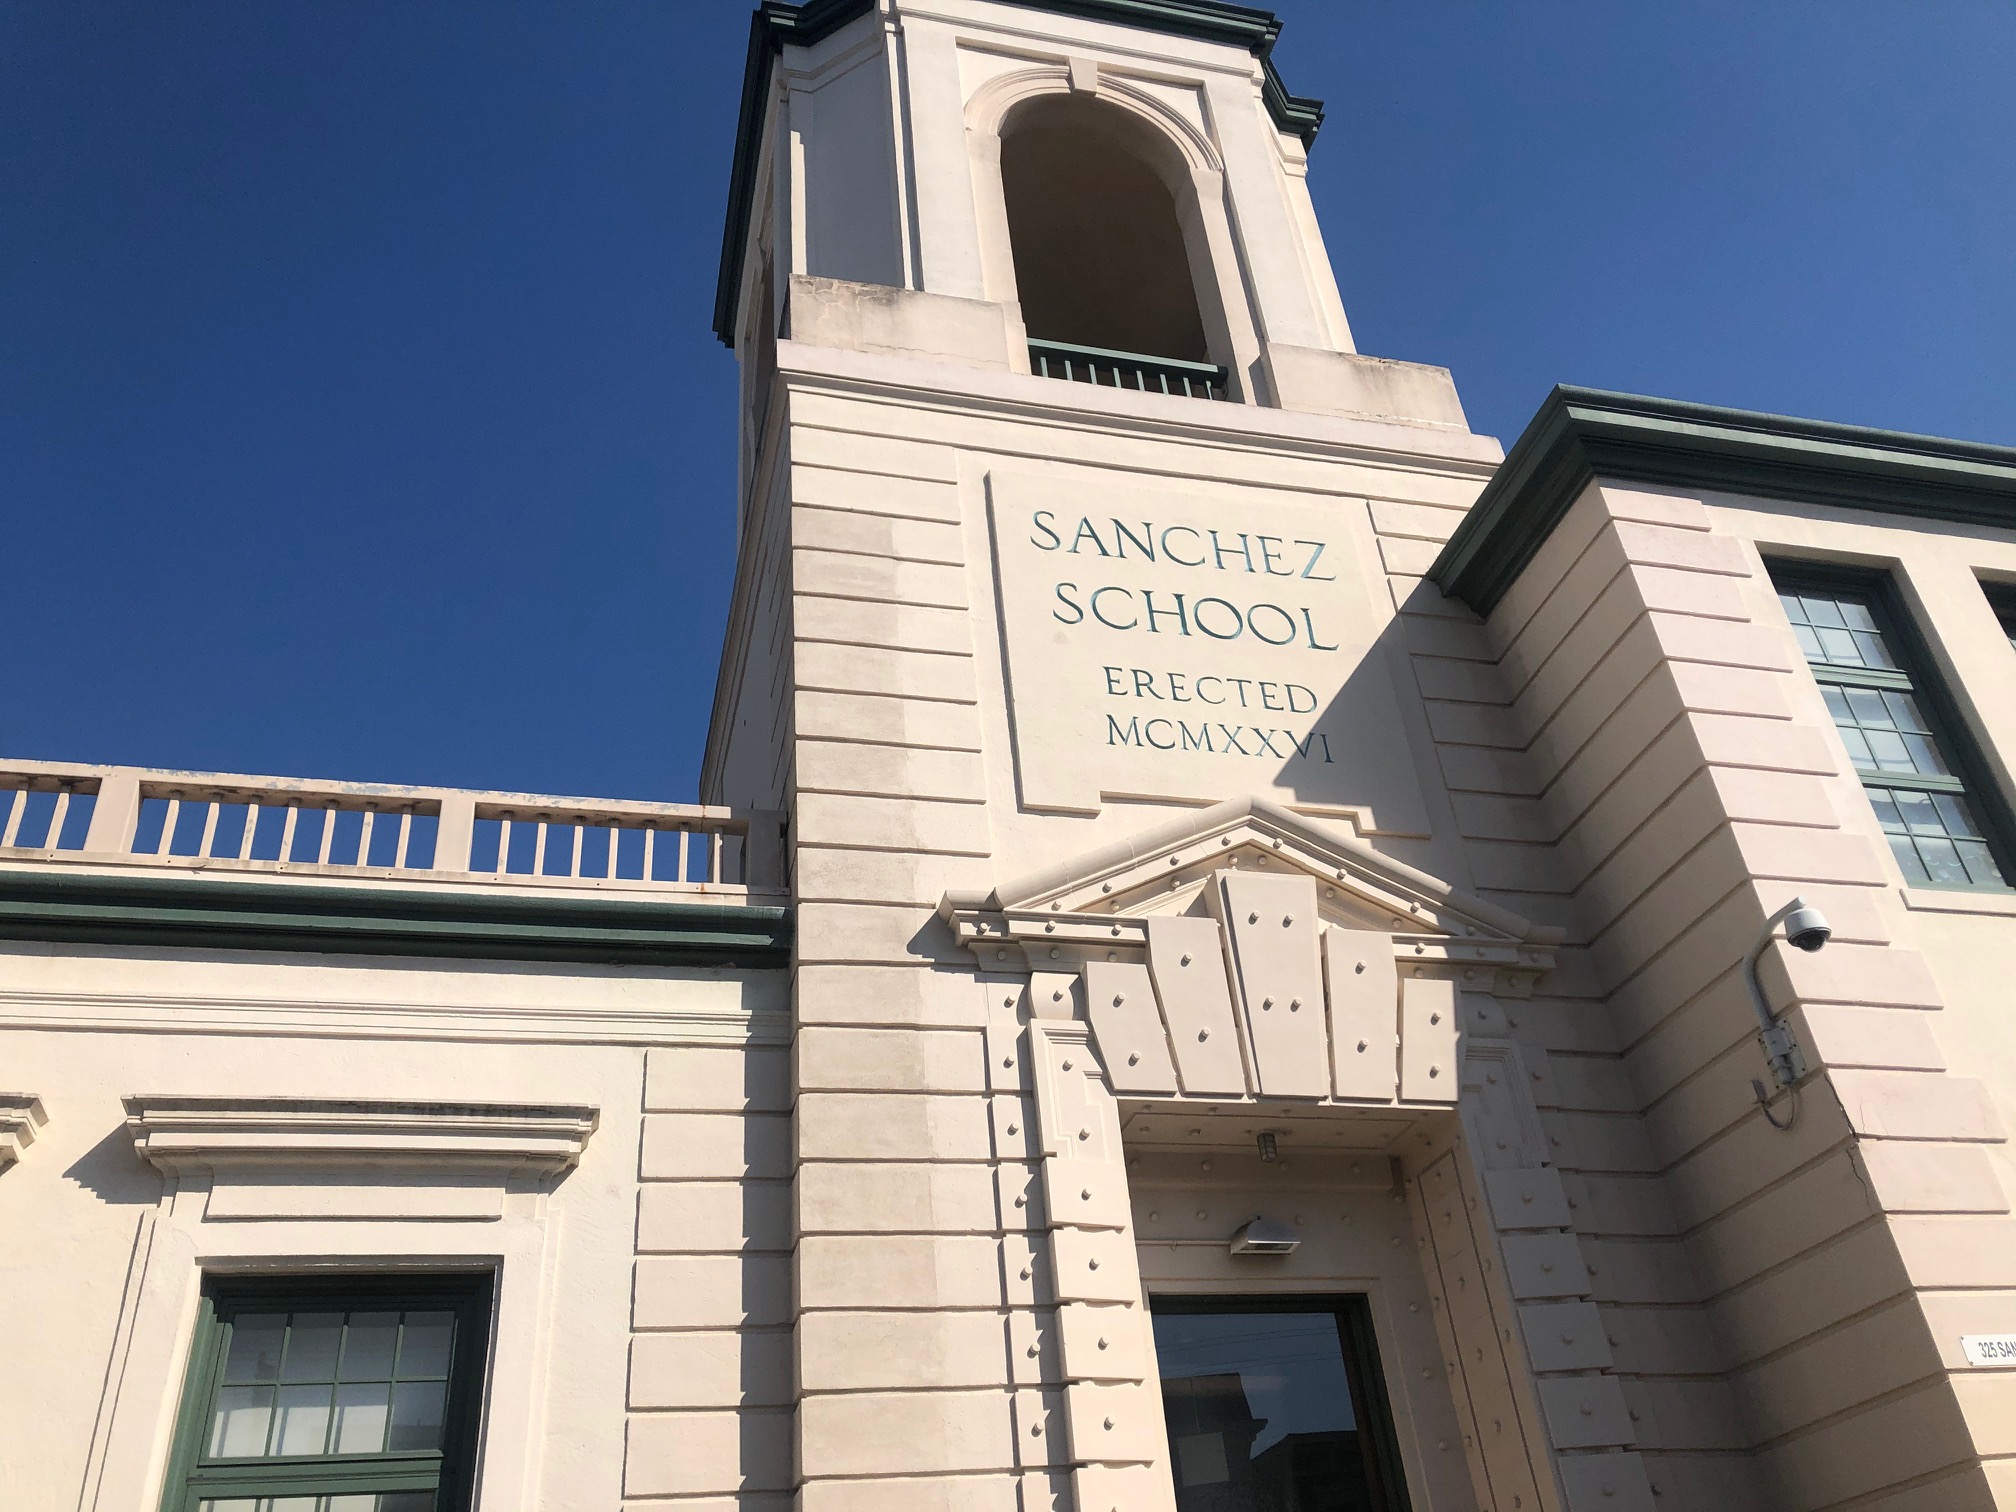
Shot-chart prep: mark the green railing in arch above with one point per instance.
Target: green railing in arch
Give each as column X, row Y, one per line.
column 1128, row 370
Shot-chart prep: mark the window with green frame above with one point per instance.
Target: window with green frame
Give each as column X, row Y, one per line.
column 2002, row 597
column 325, row 1394
column 1902, row 734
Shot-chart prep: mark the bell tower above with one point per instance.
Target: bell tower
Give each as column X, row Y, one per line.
column 1071, row 519
column 1125, row 177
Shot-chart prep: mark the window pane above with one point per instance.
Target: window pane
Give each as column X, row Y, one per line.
column 423, row 1352
column 1867, row 708
column 1981, row 868
column 311, row 1347
column 1873, row 651
column 1907, row 858
column 1942, row 862
column 238, row 1427
column 1953, row 814
column 1821, row 611
column 1259, row 1412
column 1919, row 813
column 406, row 1501
column 235, row 1504
column 368, row 1346
column 1888, row 751
column 1924, row 756
column 361, row 1413
column 292, row 1504
column 255, row 1348
column 1904, row 712
column 416, row 1415
column 302, row 1420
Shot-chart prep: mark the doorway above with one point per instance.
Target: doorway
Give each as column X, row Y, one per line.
column 1276, row 1404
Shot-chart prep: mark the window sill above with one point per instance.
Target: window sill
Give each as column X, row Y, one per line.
column 1959, row 900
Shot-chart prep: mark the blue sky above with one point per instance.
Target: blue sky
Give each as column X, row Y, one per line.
column 359, row 414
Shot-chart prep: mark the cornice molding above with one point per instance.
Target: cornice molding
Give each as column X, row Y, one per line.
column 921, row 383
column 1582, row 434
column 205, row 913
column 778, row 24
column 518, row 1021
column 180, row 1135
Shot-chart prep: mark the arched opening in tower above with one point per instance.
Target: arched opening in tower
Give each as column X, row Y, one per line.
column 1099, row 248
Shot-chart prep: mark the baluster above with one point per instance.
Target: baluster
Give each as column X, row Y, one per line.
column 609, row 867
column 288, row 828
column 576, row 849
column 54, row 839
column 168, row 828
column 364, row 837
column 17, row 804
column 717, row 843
column 543, row 825
column 503, row 844
column 211, row 809
column 251, row 829
column 685, row 839
column 405, row 838
column 650, row 848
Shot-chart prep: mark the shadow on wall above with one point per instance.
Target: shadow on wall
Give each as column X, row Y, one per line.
column 1386, row 659
column 112, row 1172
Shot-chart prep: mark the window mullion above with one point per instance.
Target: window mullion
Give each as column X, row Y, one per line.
column 1860, row 677
column 1911, row 782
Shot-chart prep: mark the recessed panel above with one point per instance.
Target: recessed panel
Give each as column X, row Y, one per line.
column 1190, row 645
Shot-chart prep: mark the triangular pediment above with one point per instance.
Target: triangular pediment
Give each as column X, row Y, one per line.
column 1168, row 870
column 1245, row 951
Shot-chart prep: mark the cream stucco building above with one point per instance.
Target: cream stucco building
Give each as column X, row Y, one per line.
column 1236, row 959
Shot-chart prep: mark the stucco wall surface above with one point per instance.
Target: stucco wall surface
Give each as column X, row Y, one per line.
column 107, row 1250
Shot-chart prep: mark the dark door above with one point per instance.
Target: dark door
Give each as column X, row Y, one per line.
column 1276, row 1404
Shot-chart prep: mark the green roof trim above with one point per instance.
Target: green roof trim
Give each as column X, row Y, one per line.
column 1581, row 433
column 778, row 24
column 206, row 914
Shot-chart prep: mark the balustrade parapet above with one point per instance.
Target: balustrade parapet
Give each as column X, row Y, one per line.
column 233, row 823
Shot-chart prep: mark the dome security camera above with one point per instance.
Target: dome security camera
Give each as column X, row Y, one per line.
column 1806, row 928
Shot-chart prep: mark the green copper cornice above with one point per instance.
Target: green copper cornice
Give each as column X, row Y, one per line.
column 1580, row 434
column 778, row 24
column 206, row 914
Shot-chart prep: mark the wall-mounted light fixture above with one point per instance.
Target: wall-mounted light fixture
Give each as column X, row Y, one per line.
column 1265, row 1236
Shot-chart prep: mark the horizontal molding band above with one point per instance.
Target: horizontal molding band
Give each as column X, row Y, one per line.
column 201, row 913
